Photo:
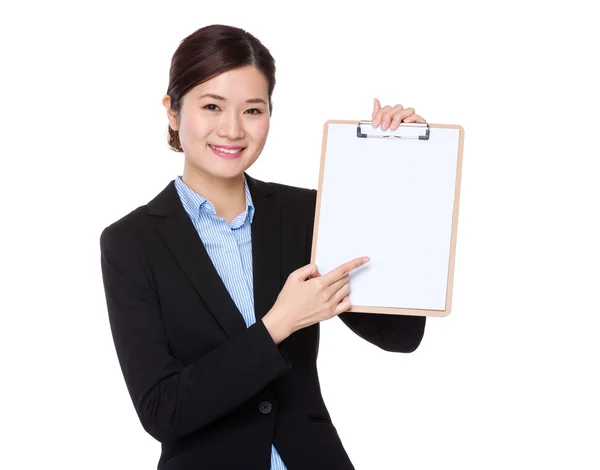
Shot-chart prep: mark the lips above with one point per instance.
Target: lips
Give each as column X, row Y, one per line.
column 227, row 147
column 227, row 154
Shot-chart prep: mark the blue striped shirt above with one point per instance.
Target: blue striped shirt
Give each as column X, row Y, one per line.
column 229, row 246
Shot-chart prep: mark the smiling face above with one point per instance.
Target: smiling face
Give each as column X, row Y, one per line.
column 231, row 110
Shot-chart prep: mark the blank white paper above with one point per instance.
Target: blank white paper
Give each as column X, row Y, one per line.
column 392, row 200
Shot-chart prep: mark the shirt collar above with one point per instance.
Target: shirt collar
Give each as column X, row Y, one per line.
column 194, row 202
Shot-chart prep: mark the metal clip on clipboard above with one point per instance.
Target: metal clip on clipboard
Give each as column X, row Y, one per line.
column 406, row 130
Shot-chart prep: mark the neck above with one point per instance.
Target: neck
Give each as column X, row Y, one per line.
column 227, row 194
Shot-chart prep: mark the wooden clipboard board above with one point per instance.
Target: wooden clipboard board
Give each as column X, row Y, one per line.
column 395, row 195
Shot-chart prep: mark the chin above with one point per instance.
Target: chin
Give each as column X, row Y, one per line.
column 231, row 172
column 219, row 169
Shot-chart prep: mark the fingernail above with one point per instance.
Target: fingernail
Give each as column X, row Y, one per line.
column 366, row 259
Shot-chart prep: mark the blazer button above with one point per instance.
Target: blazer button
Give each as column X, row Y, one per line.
column 265, row 407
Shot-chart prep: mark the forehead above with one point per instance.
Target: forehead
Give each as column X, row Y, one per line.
column 238, row 84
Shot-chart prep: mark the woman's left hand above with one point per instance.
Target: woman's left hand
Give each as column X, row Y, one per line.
column 392, row 117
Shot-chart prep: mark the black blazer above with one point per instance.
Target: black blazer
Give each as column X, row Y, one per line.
column 215, row 393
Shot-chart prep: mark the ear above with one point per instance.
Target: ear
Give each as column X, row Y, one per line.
column 166, row 101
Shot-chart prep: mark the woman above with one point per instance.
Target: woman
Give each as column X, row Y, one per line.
column 213, row 305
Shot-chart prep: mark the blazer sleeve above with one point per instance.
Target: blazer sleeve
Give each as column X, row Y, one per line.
column 172, row 399
column 393, row 333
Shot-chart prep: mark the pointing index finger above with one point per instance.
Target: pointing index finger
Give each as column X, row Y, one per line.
column 339, row 272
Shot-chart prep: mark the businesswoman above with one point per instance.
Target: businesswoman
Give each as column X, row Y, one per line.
column 213, row 305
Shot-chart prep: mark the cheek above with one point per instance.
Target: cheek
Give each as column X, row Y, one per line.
column 260, row 130
column 194, row 127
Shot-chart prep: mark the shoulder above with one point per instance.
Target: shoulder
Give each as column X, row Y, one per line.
column 138, row 223
column 127, row 228
column 142, row 221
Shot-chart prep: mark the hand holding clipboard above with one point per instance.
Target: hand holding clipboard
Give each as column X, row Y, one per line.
column 391, row 117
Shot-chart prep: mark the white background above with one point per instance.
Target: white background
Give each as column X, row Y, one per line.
column 508, row 380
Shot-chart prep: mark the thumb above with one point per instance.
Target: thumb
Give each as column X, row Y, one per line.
column 308, row 272
column 376, row 107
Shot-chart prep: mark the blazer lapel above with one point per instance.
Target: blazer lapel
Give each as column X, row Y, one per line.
column 187, row 248
column 266, row 246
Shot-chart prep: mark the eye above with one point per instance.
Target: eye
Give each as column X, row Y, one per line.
column 258, row 111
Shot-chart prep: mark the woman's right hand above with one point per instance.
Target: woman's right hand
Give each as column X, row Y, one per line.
column 308, row 298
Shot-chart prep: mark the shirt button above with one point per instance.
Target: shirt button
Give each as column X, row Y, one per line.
column 265, row 407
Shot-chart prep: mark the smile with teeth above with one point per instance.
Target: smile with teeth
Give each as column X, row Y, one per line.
column 230, row 152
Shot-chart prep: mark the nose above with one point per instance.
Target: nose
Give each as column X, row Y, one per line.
column 230, row 127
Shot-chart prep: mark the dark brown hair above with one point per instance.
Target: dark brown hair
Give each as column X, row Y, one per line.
column 207, row 52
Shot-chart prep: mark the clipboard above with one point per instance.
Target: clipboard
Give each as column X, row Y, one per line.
column 392, row 196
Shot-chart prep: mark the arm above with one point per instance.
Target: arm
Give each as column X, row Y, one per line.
column 171, row 399
column 393, row 333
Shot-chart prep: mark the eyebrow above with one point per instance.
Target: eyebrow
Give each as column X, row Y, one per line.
column 217, row 97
